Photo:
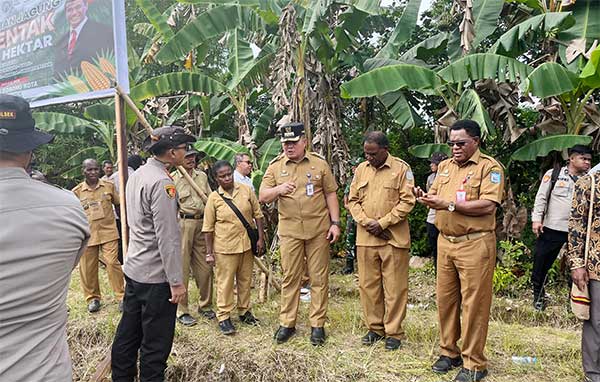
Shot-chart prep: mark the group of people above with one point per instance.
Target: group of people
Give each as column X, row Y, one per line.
column 178, row 227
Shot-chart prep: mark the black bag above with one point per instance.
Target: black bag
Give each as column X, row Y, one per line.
column 252, row 232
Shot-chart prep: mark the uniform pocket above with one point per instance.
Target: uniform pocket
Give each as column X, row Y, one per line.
column 473, row 187
column 391, row 190
column 561, row 190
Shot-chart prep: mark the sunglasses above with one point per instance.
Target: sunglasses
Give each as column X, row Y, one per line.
column 457, row 143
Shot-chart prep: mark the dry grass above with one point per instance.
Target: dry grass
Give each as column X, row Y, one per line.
column 200, row 353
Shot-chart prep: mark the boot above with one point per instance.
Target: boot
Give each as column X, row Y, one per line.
column 349, row 268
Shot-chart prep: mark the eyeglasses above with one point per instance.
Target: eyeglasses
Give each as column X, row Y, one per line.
column 247, row 162
column 457, row 143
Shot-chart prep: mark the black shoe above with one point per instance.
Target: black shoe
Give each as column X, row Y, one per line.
column 121, row 306
column 317, row 336
column 186, row 320
column 392, row 343
column 371, row 338
column 208, row 314
column 227, row 327
column 248, row 319
column 283, row 334
column 349, row 268
column 466, row 375
column 94, row 306
column 444, row 364
column 539, row 306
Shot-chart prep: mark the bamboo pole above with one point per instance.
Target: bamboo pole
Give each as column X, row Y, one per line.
column 122, row 168
column 187, row 176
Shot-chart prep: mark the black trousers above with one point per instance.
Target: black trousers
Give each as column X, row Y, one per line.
column 432, row 239
column 147, row 325
column 547, row 248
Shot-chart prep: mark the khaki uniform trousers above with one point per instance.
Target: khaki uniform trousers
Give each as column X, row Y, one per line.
column 88, row 270
column 230, row 268
column 193, row 253
column 296, row 256
column 383, row 285
column 464, row 274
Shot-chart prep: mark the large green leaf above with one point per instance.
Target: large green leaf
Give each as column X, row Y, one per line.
column 406, row 25
column 61, row 123
column 261, row 127
column 158, row 20
column 171, row 83
column 485, row 66
column 371, row 7
column 241, row 58
column 220, row 149
column 485, row 13
column 470, row 107
column 512, row 43
column 425, row 151
column 313, row 13
column 550, row 79
column 101, row 112
column 590, row 74
column 426, row 49
column 587, row 25
column 267, row 152
column 374, row 63
column 399, row 107
column 254, row 69
column 542, row 147
column 533, row 4
column 391, row 78
column 206, row 26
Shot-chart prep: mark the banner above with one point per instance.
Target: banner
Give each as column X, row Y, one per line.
column 57, row 51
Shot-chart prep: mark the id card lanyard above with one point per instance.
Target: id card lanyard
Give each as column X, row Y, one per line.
column 461, row 194
column 310, row 187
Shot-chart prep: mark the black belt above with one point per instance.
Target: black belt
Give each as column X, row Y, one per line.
column 189, row 216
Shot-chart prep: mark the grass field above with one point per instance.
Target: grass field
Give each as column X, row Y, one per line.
column 201, row 353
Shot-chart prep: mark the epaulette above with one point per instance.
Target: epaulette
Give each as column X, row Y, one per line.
column 401, row 161
column 492, row 159
column 317, row 155
column 278, row 157
column 74, row 188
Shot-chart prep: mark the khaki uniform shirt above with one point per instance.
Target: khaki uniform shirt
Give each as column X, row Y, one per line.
column 578, row 226
column 301, row 216
column 44, row 233
column 484, row 180
column 154, row 252
column 431, row 212
column 98, row 206
column 190, row 203
column 384, row 194
column 230, row 236
column 557, row 215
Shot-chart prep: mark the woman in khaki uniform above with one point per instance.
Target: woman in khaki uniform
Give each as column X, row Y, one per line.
column 228, row 244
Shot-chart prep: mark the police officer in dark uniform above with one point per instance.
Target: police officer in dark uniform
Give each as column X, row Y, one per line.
column 153, row 268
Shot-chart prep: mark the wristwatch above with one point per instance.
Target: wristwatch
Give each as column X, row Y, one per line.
column 451, row 206
column 336, row 222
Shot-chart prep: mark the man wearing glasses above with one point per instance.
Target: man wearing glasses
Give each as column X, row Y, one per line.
column 243, row 169
column 153, row 266
column 465, row 194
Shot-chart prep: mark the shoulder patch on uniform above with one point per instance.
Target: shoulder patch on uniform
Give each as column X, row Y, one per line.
column 170, row 190
column 546, row 178
column 495, row 177
column 409, row 175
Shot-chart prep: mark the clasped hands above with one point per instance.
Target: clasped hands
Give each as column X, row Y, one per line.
column 431, row 201
column 374, row 228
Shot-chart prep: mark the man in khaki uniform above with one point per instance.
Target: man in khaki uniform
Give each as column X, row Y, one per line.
column 304, row 187
column 193, row 249
column 381, row 198
column 97, row 198
column 465, row 194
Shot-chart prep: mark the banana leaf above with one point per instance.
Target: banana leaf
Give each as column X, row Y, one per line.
column 425, row 151
column 543, row 146
column 220, row 149
column 485, row 66
column 178, row 82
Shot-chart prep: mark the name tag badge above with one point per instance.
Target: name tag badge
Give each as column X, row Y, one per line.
column 284, row 174
column 310, row 189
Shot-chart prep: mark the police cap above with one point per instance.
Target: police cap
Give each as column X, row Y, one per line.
column 17, row 127
column 291, row 132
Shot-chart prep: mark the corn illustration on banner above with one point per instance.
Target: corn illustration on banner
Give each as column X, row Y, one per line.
column 57, row 51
